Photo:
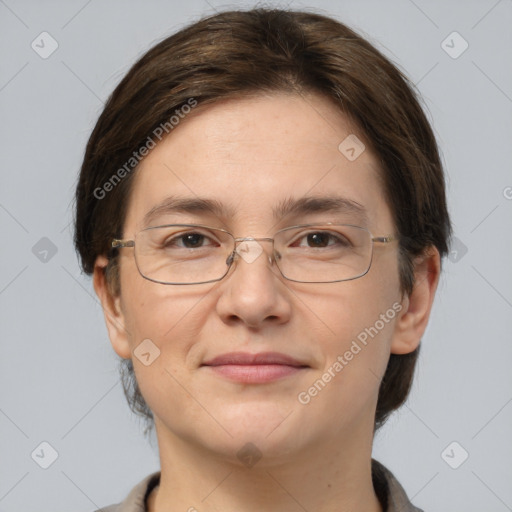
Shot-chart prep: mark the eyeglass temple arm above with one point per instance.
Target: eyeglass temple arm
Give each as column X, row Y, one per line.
column 122, row 243
column 384, row 239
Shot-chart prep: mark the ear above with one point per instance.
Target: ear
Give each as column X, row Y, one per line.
column 112, row 311
column 413, row 318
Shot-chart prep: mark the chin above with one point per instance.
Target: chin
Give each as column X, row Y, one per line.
column 274, row 431
column 246, row 449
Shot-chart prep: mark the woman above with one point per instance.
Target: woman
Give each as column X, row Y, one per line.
column 262, row 208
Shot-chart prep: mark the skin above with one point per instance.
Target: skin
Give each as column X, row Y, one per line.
column 249, row 154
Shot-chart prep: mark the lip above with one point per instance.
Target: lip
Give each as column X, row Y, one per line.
column 254, row 368
column 245, row 358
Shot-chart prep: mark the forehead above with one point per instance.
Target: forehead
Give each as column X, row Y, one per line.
column 253, row 155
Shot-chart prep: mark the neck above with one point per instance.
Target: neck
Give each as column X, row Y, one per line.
column 323, row 478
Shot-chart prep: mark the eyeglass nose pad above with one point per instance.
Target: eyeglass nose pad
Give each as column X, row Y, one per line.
column 230, row 258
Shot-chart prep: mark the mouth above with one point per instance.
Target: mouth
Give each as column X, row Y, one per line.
column 254, row 368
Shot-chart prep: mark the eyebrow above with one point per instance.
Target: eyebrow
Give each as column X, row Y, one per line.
column 286, row 208
column 187, row 205
column 320, row 204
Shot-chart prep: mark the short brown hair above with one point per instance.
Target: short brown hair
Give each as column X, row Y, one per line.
column 236, row 53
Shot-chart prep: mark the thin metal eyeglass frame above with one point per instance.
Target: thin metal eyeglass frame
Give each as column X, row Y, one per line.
column 386, row 239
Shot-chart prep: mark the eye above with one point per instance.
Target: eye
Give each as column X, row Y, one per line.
column 320, row 239
column 190, row 240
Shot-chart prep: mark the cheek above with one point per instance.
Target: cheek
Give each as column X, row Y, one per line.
column 355, row 349
column 149, row 308
column 165, row 322
column 356, row 324
column 164, row 314
column 346, row 309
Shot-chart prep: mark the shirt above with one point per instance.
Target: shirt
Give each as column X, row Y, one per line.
column 389, row 492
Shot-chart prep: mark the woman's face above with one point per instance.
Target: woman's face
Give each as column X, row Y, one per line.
column 252, row 157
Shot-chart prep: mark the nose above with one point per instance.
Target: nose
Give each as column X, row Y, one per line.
column 253, row 293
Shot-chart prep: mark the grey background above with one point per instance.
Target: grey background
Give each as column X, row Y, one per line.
column 58, row 373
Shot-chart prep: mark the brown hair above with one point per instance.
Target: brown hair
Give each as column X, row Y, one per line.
column 265, row 50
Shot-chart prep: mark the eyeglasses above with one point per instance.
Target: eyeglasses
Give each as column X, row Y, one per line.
column 308, row 253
